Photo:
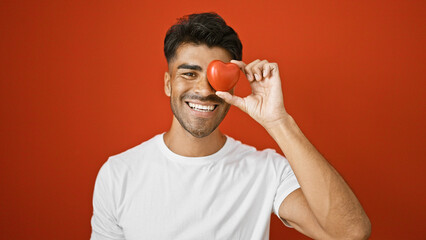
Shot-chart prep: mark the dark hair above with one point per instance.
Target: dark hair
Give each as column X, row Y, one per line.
column 202, row 28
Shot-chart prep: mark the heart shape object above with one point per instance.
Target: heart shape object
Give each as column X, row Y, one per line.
column 222, row 76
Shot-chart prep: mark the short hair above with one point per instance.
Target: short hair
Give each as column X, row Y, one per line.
column 202, row 28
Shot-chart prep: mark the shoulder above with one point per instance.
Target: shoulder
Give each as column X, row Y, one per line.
column 268, row 155
column 267, row 162
column 132, row 157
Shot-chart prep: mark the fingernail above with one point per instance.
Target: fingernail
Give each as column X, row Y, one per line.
column 264, row 73
column 249, row 77
column 257, row 76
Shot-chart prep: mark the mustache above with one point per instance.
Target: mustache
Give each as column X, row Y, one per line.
column 209, row 98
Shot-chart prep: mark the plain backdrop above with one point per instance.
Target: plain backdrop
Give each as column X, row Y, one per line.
column 83, row 80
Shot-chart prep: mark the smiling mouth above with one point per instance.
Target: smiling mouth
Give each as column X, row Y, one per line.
column 202, row 108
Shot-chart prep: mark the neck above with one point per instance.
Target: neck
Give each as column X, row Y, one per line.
column 181, row 142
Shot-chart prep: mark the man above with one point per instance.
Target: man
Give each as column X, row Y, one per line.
column 193, row 182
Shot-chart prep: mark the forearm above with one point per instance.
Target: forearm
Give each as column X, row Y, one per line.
column 334, row 205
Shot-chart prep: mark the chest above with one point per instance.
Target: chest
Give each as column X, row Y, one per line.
column 173, row 201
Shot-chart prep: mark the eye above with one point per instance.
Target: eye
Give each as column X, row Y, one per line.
column 189, row 74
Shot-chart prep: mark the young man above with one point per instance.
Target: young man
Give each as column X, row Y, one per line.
column 194, row 182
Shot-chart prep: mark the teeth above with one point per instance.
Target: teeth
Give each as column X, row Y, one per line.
column 201, row 108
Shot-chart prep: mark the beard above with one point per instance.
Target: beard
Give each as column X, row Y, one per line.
column 198, row 127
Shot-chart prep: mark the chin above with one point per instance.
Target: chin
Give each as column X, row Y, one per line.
column 199, row 133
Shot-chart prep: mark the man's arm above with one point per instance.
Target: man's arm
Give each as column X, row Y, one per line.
column 325, row 206
column 104, row 221
column 329, row 198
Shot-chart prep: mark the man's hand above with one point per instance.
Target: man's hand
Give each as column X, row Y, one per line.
column 334, row 211
column 265, row 104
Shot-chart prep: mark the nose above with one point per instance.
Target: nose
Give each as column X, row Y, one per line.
column 203, row 87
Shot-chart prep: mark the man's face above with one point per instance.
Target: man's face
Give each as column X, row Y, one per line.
column 192, row 99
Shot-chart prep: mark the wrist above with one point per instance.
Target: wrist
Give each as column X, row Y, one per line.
column 279, row 124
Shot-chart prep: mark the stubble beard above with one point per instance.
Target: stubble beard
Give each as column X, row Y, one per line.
column 198, row 129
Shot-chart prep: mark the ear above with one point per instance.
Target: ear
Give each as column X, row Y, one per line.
column 167, row 84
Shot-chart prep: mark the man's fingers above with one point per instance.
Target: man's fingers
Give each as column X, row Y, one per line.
column 266, row 70
column 274, row 67
column 258, row 70
column 240, row 64
column 232, row 99
column 249, row 71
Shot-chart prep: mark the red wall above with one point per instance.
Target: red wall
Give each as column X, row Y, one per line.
column 81, row 81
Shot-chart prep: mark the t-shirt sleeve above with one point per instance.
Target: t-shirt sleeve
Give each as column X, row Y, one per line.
column 286, row 185
column 104, row 221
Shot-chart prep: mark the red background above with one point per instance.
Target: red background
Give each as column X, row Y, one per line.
column 81, row 81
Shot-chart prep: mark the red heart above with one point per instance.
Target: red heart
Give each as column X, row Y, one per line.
column 222, row 76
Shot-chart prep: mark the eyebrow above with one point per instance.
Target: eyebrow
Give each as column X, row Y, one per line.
column 189, row 66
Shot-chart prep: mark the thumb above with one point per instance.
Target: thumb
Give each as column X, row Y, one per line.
column 232, row 99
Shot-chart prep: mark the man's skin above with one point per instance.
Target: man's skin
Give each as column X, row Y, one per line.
column 324, row 207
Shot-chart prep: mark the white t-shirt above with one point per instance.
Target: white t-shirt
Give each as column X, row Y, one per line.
column 149, row 192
